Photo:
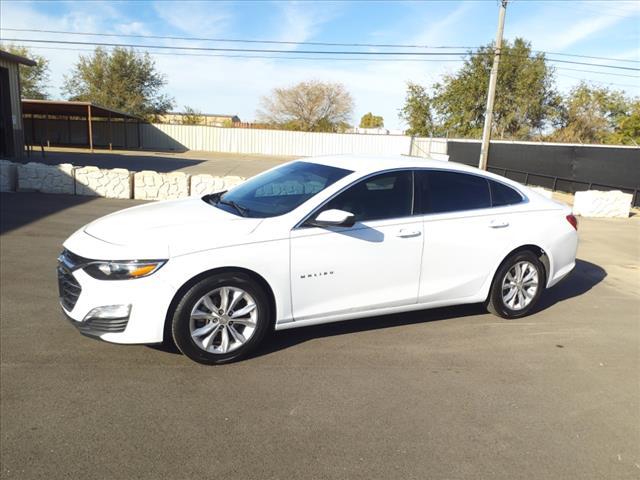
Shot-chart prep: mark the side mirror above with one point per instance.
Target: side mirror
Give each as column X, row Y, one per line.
column 333, row 218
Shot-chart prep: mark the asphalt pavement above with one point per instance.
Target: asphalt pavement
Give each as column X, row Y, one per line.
column 451, row 393
column 191, row 162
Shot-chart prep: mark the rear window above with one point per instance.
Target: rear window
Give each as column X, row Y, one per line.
column 502, row 195
column 440, row 192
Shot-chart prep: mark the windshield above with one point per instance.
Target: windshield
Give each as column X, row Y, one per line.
column 278, row 191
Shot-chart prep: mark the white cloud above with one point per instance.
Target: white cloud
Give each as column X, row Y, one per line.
column 440, row 30
column 559, row 25
column 194, row 18
column 300, row 21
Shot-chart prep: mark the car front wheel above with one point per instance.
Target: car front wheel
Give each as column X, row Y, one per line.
column 517, row 286
column 221, row 319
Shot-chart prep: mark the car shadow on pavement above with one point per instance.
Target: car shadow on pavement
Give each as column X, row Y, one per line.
column 584, row 277
column 283, row 339
column 20, row 209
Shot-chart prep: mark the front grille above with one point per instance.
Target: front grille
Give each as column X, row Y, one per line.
column 103, row 325
column 68, row 287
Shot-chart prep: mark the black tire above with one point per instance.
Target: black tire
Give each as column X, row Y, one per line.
column 496, row 304
column 180, row 324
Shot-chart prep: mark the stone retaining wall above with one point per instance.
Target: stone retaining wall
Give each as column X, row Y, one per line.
column 150, row 185
column 94, row 181
column 109, row 183
column 36, row 177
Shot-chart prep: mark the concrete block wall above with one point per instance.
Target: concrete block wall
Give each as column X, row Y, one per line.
column 36, row 177
column 8, row 176
column 594, row 203
column 108, row 183
column 94, row 181
column 150, row 185
column 203, row 184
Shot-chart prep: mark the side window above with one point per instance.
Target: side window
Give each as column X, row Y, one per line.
column 440, row 192
column 388, row 195
column 502, row 195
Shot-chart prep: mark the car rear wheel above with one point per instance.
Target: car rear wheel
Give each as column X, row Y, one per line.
column 221, row 319
column 517, row 286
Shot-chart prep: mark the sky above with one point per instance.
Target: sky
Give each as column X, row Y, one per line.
column 231, row 85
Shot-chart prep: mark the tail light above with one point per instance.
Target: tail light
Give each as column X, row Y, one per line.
column 573, row 221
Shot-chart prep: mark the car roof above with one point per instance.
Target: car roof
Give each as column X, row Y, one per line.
column 364, row 164
column 369, row 164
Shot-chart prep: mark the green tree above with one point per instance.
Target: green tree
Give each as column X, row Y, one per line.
column 627, row 130
column 417, row 111
column 308, row 106
column 597, row 115
column 122, row 79
column 33, row 80
column 526, row 100
column 191, row 116
column 369, row 120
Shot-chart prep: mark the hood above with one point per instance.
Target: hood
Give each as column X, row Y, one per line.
column 179, row 226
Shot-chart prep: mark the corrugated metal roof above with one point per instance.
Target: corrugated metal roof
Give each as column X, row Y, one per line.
column 70, row 108
column 10, row 57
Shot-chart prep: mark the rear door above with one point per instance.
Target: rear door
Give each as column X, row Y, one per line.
column 464, row 235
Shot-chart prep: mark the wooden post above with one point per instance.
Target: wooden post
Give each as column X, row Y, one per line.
column 46, row 128
column 90, row 125
column 33, row 130
column 110, row 136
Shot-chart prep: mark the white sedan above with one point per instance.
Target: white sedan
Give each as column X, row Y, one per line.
column 313, row 241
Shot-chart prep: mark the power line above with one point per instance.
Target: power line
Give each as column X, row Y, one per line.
column 308, row 52
column 282, row 42
column 271, row 57
column 599, row 81
column 227, row 49
column 345, row 59
column 234, row 40
column 597, row 72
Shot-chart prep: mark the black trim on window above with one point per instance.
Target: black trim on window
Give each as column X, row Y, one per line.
column 416, row 198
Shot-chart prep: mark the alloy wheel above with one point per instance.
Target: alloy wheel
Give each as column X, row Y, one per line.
column 223, row 320
column 520, row 285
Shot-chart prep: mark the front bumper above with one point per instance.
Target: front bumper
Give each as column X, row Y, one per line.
column 149, row 298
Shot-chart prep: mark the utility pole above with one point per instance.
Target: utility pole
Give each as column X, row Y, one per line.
column 493, row 79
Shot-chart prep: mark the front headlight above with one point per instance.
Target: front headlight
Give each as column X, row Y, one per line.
column 122, row 270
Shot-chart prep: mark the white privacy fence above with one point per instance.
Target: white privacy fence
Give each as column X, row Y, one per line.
column 283, row 142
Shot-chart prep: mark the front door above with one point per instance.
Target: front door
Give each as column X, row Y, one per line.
column 373, row 264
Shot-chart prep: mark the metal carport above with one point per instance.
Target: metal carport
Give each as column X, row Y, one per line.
column 79, row 124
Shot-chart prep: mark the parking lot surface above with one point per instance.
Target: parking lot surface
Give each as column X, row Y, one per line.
column 191, row 162
column 448, row 393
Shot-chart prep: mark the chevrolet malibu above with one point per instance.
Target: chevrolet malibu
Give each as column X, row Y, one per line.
column 313, row 241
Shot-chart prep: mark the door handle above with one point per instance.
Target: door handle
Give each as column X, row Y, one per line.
column 407, row 233
column 498, row 224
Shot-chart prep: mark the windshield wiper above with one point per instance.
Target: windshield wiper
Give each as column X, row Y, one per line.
column 240, row 209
